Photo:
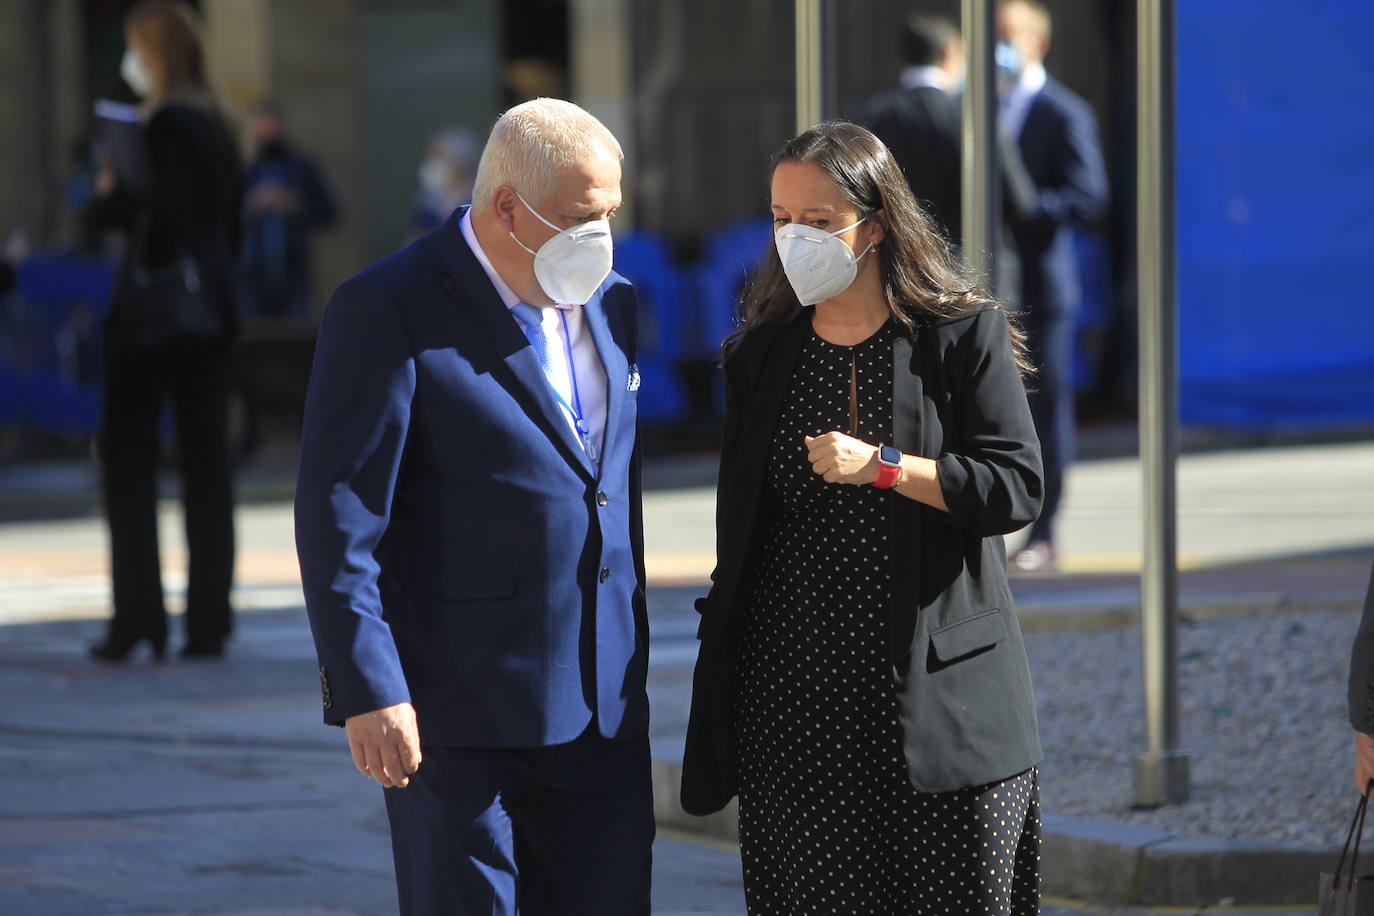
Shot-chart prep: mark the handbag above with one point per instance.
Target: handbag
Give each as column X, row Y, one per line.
column 167, row 309
column 1344, row 894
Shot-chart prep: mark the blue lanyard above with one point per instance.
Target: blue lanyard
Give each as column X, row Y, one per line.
column 574, row 409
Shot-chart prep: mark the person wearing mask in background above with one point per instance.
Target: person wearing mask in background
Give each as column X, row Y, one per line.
column 470, row 535
column 169, row 336
column 445, row 178
column 862, row 683
column 920, row 121
column 1360, row 693
column 285, row 200
column 1055, row 177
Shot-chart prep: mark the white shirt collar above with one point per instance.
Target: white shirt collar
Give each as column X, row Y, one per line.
column 925, row 76
column 508, row 296
column 1032, row 80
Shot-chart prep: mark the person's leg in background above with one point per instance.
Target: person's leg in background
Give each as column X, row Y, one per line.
column 201, row 399
column 128, row 447
column 1052, row 406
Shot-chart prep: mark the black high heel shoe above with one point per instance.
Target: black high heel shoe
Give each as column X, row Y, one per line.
column 115, row 651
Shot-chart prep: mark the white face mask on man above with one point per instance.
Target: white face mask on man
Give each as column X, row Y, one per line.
column 572, row 264
column 818, row 264
column 134, row 71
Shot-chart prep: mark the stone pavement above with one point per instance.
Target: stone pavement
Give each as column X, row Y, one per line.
column 212, row 789
column 162, row 788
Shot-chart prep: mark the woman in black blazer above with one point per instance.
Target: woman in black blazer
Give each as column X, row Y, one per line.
column 168, row 338
column 862, row 684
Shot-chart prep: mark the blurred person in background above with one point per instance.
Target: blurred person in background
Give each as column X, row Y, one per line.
column 445, row 178
column 920, row 120
column 1360, row 693
column 1055, row 177
column 286, row 199
column 169, row 336
column 862, row 683
column 467, row 514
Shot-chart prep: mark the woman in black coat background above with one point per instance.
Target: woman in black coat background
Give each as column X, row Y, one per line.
column 862, row 683
column 169, row 336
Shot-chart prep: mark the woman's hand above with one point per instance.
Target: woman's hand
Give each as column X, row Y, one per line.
column 105, row 179
column 1364, row 761
column 842, row 459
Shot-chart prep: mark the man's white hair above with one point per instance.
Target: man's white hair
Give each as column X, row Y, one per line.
column 531, row 144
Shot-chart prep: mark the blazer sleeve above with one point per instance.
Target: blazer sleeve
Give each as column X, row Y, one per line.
column 357, row 414
column 1083, row 193
column 994, row 483
column 1360, row 691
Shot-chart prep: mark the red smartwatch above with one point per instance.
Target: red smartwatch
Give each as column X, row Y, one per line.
column 889, row 467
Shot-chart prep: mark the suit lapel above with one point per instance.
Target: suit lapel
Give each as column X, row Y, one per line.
column 617, row 372
column 468, row 283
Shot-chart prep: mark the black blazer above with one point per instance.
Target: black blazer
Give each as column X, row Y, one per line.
column 1360, row 691
column 192, row 207
column 963, row 686
column 1062, row 181
column 922, row 129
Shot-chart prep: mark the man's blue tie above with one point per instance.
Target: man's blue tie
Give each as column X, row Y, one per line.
column 533, row 320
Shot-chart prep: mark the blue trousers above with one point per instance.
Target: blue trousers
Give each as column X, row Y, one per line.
column 1052, row 404
column 550, row 831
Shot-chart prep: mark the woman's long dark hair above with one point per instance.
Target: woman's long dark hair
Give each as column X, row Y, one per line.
column 921, row 277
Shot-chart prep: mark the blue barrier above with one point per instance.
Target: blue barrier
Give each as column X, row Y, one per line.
column 50, row 343
column 1276, row 324
column 646, row 261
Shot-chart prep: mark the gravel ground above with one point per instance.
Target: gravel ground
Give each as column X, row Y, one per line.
column 1263, row 715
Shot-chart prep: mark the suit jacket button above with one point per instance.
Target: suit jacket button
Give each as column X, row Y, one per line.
column 605, row 573
column 602, row 498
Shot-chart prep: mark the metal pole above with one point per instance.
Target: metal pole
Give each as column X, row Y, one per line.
column 980, row 210
column 810, row 60
column 1161, row 772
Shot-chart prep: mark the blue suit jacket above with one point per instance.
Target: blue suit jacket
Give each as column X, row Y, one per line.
column 457, row 548
column 1062, row 159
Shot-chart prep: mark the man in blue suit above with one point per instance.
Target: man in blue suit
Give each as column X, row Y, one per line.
column 469, row 529
column 1055, row 179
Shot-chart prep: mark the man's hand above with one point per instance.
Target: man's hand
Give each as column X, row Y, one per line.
column 385, row 744
column 842, row 459
column 1364, row 761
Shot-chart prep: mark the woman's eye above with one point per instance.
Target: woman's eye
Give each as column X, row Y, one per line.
column 779, row 221
column 820, row 223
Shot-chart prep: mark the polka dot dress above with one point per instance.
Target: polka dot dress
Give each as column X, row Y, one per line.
column 829, row 822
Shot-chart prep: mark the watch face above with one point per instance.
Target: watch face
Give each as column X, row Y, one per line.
column 889, row 455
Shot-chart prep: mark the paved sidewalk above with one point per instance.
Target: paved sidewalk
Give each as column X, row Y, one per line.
column 212, row 789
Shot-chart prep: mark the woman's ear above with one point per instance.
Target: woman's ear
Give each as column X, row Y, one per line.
column 878, row 226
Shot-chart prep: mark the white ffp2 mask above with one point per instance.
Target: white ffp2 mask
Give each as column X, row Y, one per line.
column 134, row 71
column 818, row 264
column 572, row 264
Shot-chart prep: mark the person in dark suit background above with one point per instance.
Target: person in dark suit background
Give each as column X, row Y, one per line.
column 469, row 529
column 1055, row 177
column 919, row 121
column 1360, row 692
column 184, row 225
column 286, row 199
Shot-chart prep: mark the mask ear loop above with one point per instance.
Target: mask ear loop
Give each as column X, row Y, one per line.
column 537, row 215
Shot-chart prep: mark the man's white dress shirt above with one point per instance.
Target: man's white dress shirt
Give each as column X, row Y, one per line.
column 1011, row 112
column 591, row 376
